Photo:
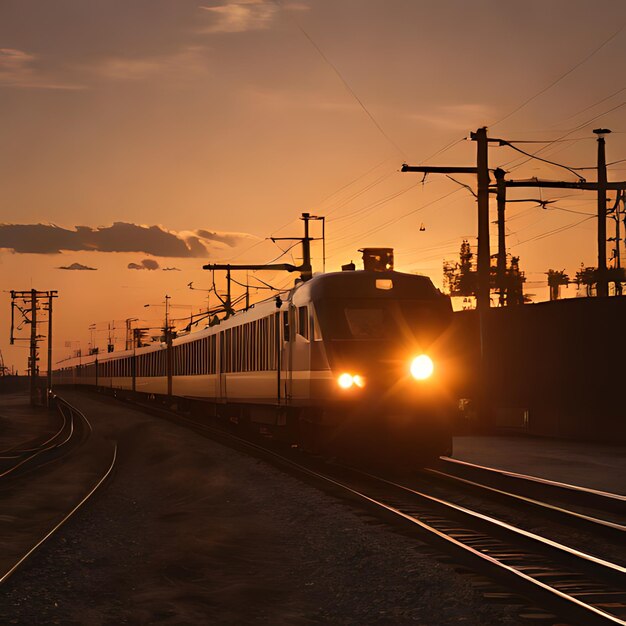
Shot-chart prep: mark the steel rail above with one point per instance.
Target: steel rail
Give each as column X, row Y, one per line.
column 4, row 454
column 547, row 595
column 611, row 500
column 594, row 522
column 8, row 573
column 34, row 453
column 614, row 572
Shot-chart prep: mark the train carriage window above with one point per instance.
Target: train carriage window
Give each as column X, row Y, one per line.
column 256, row 346
column 247, row 347
column 213, row 354
column 286, row 334
column 303, row 321
column 226, row 350
column 254, row 338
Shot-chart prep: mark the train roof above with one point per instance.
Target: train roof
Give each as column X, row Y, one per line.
column 367, row 284
column 332, row 285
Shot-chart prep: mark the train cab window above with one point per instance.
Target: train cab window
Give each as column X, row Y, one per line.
column 303, row 321
column 316, row 333
column 286, row 335
column 366, row 323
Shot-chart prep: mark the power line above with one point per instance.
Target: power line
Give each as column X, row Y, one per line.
column 401, row 217
column 354, row 180
column 345, row 84
column 354, row 196
column 447, row 147
column 591, row 106
column 569, row 132
column 560, row 78
column 534, row 156
column 553, row 232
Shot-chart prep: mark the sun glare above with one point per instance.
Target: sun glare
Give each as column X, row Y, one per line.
column 422, row 367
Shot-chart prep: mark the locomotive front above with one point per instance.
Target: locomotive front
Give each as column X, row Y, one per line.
column 389, row 393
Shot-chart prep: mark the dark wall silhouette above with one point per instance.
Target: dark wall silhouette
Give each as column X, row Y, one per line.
column 553, row 368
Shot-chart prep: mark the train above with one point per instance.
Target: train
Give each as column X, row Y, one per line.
column 354, row 364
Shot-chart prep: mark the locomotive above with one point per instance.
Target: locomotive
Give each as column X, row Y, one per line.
column 352, row 363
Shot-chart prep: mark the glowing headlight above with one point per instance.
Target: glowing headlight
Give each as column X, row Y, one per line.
column 347, row 380
column 422, row 367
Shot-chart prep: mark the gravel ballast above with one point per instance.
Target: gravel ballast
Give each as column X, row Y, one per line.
column 189, row 531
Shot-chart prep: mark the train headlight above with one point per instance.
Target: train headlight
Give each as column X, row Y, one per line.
column 346, row 380
column 422, row 367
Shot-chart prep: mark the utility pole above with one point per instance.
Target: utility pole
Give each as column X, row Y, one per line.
column 229, row 302
column 484, row 254
column 305, row 269
column 482, row 173
column 603, row 288
column 128, row 343
column 49, row 385
column 501, row 199
column 615, row 214
column 26, row 303
column 33, row 346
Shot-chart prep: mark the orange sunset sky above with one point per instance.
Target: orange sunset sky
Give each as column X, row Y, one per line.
column 178, row 132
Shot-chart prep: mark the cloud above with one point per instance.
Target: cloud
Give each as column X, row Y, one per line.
column 20, row 69
column 146, row 264
column 119, row 237
column 76, row 266
column 190, row 62
column 240, row 17
column 172, row 269
column 230, row 239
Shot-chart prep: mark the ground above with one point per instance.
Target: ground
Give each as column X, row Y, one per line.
column 191, row 532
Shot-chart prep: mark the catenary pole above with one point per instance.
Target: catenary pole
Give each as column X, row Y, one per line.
column 484, row 255
column 501, row 199
column 602, row 289
column 33, row 346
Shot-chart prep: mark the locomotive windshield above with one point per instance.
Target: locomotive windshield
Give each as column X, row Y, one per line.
column 374, row 319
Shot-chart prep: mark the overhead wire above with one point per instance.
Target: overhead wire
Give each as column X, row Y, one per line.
column 566, row 134
column 595, row 104
column 404, row 215
column 354, row 196
column 345, row 83
column 534, row 156
column 562, row 76
column 354, row 180
column 553, row 232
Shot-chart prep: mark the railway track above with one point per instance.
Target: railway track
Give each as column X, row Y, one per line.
column 74, row 430
column 25, row 457
column 602, row 521
column 533, row 486
column 580, row 587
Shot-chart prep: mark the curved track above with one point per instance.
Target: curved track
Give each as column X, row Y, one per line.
column 24, row 458
column 73, row 430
